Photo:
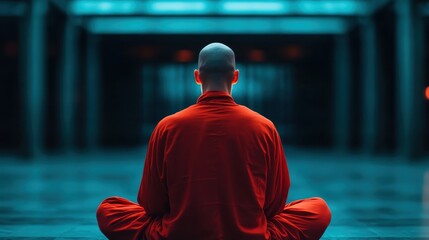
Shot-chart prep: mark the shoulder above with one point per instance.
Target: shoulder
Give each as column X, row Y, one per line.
column 173, row 119
column 256, row 117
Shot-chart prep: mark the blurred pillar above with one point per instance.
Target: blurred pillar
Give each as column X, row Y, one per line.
column 33, row 39
column 149, row 100
column 68, row 84
column 370, row 87
column 342, row 99
column 410, row 87
column 282, row 96
column 288, row 100
column 92, row 92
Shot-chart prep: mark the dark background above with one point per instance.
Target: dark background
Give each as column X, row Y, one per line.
column 67, row 88
column 84, row 82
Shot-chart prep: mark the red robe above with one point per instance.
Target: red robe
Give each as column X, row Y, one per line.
column 215, row 170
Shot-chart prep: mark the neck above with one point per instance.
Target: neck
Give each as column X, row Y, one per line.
column 219, row 88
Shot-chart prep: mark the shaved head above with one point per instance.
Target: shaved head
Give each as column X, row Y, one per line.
column 216, row 56
column 216, row 68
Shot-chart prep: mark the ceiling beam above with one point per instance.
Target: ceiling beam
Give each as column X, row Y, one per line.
column 221, row 7
column 216, row 25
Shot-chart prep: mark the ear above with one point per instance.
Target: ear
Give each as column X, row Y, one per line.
column 235, row 78
column 197, row 77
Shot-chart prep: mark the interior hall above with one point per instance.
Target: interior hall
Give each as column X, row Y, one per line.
column 83, row 83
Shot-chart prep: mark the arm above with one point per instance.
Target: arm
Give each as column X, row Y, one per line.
column 278, row 181
column 153, row 194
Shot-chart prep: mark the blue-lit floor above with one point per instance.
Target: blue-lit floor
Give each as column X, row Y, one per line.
column 370, row 197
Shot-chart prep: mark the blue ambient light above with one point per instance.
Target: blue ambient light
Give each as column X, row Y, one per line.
column 331, row 7
column 81, row 7
column 214, row 25
column 249, row 7
column 221, row 7
column 177, row 7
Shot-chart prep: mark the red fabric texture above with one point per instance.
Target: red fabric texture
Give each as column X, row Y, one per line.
column 215, row 170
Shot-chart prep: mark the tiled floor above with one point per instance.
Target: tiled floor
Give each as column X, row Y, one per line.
column 370, row 197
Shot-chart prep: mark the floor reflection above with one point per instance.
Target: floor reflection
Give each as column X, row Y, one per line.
column 370, row 197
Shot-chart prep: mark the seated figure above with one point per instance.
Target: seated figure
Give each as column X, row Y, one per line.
column 215, row 170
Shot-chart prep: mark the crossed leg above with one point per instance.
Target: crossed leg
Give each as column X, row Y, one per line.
column 119, row 218
column 301, row 219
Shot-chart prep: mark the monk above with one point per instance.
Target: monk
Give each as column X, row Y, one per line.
column 215, row 170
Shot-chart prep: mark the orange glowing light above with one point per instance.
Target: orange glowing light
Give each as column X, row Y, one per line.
column 427, row 92
column 257, row 55
column 293, row 52
column 184, row 56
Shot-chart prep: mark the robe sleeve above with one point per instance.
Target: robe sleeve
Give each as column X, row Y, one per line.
column 153, row 194
column 278, row 181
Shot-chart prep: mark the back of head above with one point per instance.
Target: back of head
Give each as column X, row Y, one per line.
column 216, row 61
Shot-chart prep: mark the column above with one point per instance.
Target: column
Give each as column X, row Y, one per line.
column 409, row 79
column 92, row 92
column 68, row 84
column 342, row 101
column 370, row 87
column 33, row 40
